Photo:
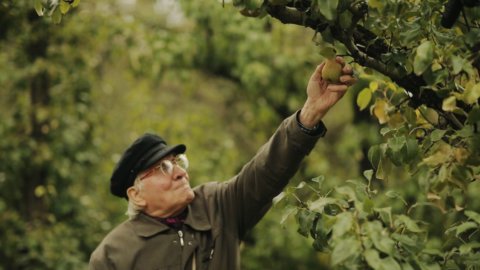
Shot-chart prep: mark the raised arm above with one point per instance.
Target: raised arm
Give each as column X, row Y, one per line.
column 247, row 196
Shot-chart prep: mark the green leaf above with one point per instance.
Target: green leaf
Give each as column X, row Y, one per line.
column 433, row 251
column 327, row 51
column 407, row 241
column 278, row 198
column 368, row 174
column 457, row 64
column 375, row 231
column 465, row 227
column 368, row 206
column 287, row 213
column 473, row 215
column 410, row 224
column 343, row 224
column 474, row 115
column 252, row 4
column 373, row 259
column 423, row 57
column 390, row 264
column 345, row 19
column 411, row 149
column 364, row 98
column 437, row 135
column 407, row 266
column 386, row 130
column 429, row 114
column 319, row 205
column 57, row 16
column 380, row 172
column 440, row 156
column 361, row 189
column 300, row 185
column 426, row 266
column 375, row 155
column 462, row 228
column 319, row 180
column 323, row 226
column 468, row 247
column 394, row 194
column 75, row 3
column 449, row 104
column 444, row 173
column 396, row 143
column 64, row 7
column 410, row 114
column 347, row 191
column 385, row 214
column 472, row 94
column 39, row 7
column 345, row 249
column 466, row 132
column 305, row 220
column 373, row 86
column 377, row 4
column 327, row 8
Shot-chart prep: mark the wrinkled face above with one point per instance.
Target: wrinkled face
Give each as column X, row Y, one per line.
column 165, row 187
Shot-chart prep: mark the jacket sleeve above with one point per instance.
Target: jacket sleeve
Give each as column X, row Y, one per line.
column 99, row 260
column 247, row 196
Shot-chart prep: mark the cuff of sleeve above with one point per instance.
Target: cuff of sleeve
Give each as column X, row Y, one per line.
column 318, row 130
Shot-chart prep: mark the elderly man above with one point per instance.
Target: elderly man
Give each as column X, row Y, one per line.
column 173, row 226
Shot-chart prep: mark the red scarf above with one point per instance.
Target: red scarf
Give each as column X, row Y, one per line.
column 175, row 222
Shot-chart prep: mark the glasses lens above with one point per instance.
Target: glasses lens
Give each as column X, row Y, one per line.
column 182, row 161
column 166, row 166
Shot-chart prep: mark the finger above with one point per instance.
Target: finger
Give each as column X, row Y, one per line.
column 347, row 79
column 340, row 60
column 347, row 69
column 339, row 92
column 317, row 74
column 339, row 88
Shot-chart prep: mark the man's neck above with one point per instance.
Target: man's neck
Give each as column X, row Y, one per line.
column 174, row 221
column 158, row 214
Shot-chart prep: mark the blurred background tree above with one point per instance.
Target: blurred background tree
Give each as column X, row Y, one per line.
column 82, row 80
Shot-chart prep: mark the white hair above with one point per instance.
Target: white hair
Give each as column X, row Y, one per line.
column 133, row 209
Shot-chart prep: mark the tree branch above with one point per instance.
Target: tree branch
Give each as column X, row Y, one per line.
column 366, row 48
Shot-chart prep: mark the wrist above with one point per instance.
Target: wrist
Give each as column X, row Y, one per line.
column 309, row 117
column 318, row 129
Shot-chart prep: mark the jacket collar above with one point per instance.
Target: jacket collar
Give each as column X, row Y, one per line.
column 197, row 219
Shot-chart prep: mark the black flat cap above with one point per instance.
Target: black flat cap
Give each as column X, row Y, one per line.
column 141, row 155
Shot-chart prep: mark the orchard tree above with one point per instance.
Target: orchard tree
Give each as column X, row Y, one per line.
column 418, row 66
column 48, row 149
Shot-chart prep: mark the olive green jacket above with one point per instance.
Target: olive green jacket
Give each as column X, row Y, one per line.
column 218, row 217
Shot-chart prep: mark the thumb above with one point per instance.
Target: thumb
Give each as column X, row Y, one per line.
column 317, row 74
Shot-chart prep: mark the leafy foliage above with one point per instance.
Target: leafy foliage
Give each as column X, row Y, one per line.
column 421, row 81
column 360, row 230
column 416, row 208
column 55, row 9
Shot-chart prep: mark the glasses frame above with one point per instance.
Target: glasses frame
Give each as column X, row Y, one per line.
column 166, row 166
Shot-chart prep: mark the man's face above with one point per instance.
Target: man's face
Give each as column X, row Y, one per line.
column 166, row 188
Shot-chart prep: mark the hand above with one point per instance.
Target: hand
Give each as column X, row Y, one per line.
column 322, row 95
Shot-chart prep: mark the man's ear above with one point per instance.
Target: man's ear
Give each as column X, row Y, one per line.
column 133, row 194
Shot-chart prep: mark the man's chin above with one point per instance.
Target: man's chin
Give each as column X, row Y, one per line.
column 190, row 196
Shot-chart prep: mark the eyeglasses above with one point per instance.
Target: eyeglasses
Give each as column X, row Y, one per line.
column 166, row 166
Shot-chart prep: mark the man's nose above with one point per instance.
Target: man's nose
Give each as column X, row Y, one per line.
column 178, row 172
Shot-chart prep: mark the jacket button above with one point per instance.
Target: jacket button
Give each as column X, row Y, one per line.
column 189, row 243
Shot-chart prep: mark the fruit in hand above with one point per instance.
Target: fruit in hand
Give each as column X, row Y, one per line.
column 331, row 71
